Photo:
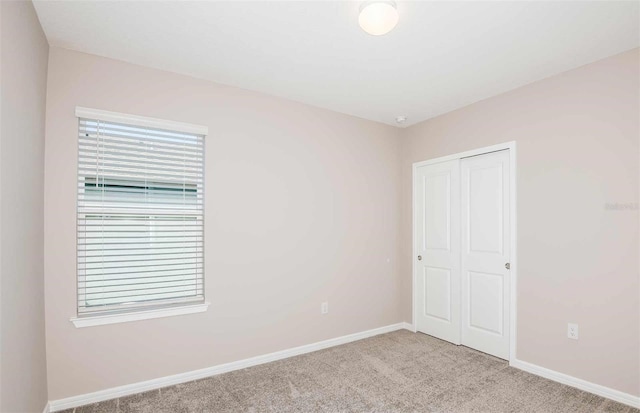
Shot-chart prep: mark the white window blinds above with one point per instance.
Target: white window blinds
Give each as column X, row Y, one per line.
column 140, row 216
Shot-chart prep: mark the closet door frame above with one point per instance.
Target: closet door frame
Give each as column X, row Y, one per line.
column 511, row 146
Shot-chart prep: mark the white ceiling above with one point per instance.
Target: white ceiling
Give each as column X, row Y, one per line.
column 440, row 57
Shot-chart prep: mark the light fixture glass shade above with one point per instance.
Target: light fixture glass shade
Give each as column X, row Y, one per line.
column 378, row 17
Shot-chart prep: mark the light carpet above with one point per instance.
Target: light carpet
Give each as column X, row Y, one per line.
column 394, row 372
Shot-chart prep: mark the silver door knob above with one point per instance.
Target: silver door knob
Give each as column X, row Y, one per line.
column 419, row 257
column 507, row 266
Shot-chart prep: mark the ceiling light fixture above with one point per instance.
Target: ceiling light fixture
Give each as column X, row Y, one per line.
column 378, row 17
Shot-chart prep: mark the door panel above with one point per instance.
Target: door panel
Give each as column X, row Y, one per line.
column 485, row 302
column 485, row 239
column 437, row 290
column 437, row 206
column 437, row 211
column 485, row 212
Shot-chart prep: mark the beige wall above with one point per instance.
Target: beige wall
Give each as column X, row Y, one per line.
column 24, row 54
column 577, row 135
column 301, row 207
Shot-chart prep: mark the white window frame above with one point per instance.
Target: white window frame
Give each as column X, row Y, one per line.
column 143, row 313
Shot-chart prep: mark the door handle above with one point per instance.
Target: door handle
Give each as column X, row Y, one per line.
column 507, row 266
column 419, row 257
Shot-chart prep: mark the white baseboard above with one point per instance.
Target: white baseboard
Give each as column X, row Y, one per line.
column 126, row 390
column 409, row 326
column 46, row 408
column 616, row 395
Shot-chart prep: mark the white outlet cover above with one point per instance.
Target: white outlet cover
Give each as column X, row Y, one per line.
column 572, row 331
column 324, row 308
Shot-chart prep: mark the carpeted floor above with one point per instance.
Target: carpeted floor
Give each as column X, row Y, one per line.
column 395, row 372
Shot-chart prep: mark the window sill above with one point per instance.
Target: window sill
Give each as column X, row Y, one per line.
column 90, row 321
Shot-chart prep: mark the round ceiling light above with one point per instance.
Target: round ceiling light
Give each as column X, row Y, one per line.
column 378, row 17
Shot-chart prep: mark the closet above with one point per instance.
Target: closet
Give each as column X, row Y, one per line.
column 462, row 242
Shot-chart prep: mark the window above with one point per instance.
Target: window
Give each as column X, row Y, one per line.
column 140, row 217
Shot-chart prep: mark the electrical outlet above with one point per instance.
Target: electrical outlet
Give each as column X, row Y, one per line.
column 324, row 308
column 572, row 331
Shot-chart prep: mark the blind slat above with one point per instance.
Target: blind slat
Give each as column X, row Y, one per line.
column 136, row 164
column 105, row 141
column 127, row 265
column 90, row 151
column 94, row 278
column 135, row 287
column 122, row 251
column 139, row 151
column 176, row 291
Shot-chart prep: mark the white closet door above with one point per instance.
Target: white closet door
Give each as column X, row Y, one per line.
column 437, row 214
column 485, row 253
